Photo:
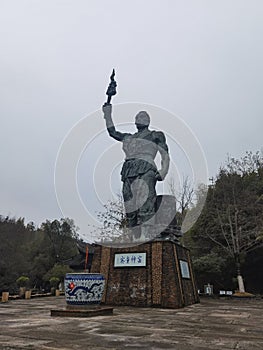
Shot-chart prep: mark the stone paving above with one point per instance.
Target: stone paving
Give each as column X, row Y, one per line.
column 212, row 324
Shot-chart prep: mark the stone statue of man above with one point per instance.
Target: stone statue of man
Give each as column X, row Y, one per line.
column 139, row 173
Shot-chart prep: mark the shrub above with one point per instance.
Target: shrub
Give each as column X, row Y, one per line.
column 54, row 281
column 22, row 281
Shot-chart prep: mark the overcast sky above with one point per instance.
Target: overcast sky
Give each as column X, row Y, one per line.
column 201, row 60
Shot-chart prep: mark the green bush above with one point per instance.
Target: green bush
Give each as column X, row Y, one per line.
column 59, row 271
column 22, row 281
column 54, row 281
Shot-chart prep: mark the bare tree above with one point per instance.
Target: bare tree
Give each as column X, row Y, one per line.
column 184, row 196
column 233, row 216
column 113, row 221
column 248, row 164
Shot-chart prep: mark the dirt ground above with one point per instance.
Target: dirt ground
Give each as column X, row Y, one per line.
column 212, row 324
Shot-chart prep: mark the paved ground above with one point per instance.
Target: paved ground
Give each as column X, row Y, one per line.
column 212, row 324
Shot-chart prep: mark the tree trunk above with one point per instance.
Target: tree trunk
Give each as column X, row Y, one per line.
column 241, row 287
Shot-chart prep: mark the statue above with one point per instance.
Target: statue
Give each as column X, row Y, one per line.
column 139, row 173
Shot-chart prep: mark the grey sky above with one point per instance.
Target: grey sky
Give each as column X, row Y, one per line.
column 201, row 60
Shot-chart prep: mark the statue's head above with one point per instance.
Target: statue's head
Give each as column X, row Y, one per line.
column 142, row 120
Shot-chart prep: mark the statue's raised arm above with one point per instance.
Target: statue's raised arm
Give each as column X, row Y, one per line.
column 117, row 135
column 107, row 110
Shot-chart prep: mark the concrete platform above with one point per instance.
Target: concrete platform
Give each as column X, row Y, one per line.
column 81, row 312
column 212, row 324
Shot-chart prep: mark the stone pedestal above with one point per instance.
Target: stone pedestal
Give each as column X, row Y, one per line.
column 5, row 297
column 152, row 274
column 27, row 294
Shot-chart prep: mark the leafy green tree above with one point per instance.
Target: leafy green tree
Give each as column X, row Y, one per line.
column 59, row 237
column 14, row 261
column 25, row 250
column 56, row 246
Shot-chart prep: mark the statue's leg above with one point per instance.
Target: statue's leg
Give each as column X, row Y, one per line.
column 147, row 211
column 130, row 207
